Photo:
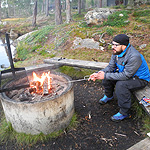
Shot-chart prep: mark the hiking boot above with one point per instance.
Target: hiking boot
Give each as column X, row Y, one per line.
column 118, row 117
column 105, row 99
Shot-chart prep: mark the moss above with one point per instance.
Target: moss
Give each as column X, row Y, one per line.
column 75, row 72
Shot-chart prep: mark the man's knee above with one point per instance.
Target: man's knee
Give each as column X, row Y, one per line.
column 120, row 85
column 108, row 82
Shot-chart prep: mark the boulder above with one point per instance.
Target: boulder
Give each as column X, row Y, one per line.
column 21, row 38
column 98, row 15
column 3, row 23
column 142, row 46
column 86, row 43
column 13, row 34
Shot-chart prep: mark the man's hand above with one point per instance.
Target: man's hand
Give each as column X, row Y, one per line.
column 92, row 77
column 99, row 75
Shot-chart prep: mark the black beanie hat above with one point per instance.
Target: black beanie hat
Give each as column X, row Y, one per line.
column 122, row 39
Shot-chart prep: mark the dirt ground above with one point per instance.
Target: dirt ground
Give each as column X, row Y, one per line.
column 95, row 131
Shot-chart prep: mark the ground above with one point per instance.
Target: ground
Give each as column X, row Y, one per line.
column 95, row 130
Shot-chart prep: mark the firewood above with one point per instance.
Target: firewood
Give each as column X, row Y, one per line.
column 32, row 90
column 45, row 87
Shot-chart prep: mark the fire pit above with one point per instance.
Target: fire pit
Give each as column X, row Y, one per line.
column 32, row 111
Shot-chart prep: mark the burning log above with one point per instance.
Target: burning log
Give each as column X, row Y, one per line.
column 41, row 85
column 32, row 90
column 45, row 87
column 36, row 86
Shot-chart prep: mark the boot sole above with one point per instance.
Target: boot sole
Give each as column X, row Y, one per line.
column 102, row 103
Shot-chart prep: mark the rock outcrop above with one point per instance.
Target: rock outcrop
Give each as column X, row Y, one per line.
column 86, row 43
column 98, row 15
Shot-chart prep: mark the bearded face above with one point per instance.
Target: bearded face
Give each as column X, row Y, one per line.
column 117, row 48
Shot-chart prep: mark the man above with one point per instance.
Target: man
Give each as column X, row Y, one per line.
column 127, row 71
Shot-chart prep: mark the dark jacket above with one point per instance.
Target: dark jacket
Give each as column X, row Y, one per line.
column 128, row 64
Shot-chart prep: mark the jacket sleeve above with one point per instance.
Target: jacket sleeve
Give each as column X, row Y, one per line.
column 111, row 66
column 132, row 65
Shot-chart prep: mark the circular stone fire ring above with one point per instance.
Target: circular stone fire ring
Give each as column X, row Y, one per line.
column 45, row 116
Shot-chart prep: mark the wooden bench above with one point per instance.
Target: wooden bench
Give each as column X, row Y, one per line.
column 139, row 94
column 76, row 63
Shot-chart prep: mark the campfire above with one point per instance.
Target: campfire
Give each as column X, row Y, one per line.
column 41, row 84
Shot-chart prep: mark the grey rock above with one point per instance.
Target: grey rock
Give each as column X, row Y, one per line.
column 88, row 43
column 142, row 46
column 98, row 15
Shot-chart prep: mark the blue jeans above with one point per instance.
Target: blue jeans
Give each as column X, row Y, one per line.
column 123, row 91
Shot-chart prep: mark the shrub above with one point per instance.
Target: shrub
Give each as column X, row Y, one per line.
column 117, row 20
column 110, row 31
column 144, row 20
column 141, row 13
column 24, row 50
column 39, row 36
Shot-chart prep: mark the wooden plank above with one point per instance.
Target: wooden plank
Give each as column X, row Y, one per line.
column 41, row 67
column 139, row 94
column 142, row 145
column 77, row 63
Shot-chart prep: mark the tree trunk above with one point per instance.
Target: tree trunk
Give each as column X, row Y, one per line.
column 79, row 6
column 83, row 4
column 43, row 6
column 58, row 17
column 68, row 11
column 14, row 10
column 34, row 14
column 95, row 3
column 0, row 11
column 64, row 5
column 47, row 7
column 92, row 3
column 100, row 3
column 131, row 2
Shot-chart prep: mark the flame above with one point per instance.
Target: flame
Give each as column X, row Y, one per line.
column 38, row 82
